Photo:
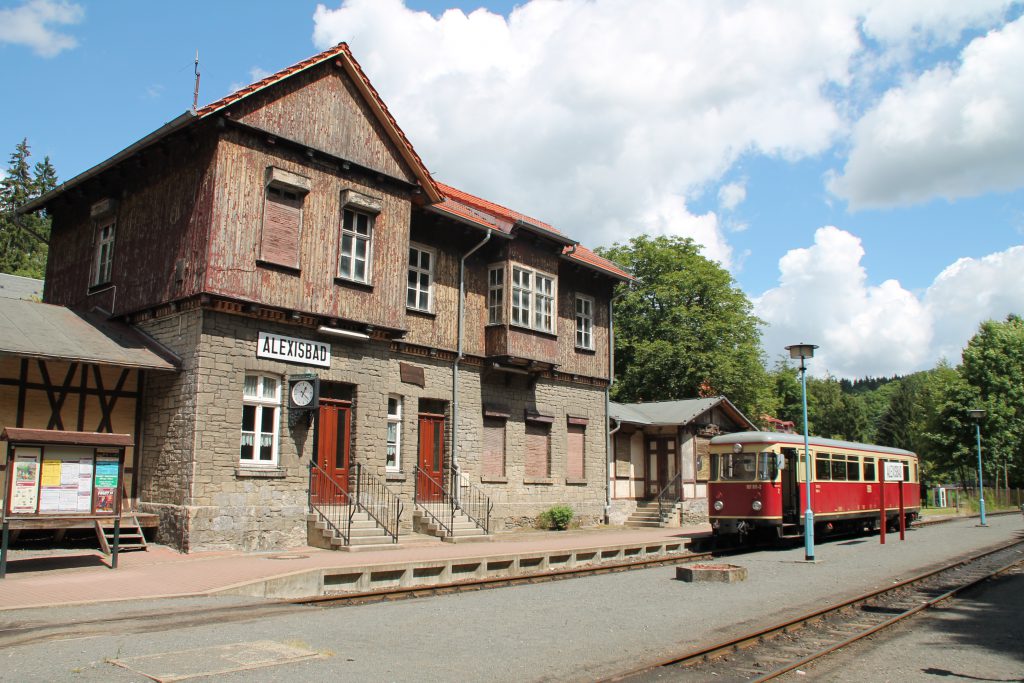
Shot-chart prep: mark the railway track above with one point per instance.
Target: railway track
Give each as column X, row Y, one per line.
column 780, row 648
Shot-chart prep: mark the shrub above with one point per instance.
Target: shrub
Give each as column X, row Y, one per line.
column 557, row 517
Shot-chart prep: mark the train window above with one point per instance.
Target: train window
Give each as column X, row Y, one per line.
column 738, row 466
column 766, row 470
column 822, row 467
column 714, row 467
column 853, row 468
column 869, row 469
column 906, row 471
column 838, row 468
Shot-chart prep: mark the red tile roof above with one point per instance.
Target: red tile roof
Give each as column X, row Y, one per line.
column 487, row 214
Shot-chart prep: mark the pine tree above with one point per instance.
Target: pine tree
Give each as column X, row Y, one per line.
column 22, row 251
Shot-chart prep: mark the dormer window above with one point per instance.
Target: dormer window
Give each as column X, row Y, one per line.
column 284, row 196
column 103, row 261
column 358, row 215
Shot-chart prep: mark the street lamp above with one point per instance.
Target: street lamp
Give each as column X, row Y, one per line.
column 977, row 416
column 803, row 351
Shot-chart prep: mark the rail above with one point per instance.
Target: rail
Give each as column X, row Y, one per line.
column 474, row 503
column 330, row 501
column 378, row 501
column 670, row 496
column 431, row 496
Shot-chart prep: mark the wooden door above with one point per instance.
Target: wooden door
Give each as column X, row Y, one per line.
column 661, row 456
column 431, row 458
column 333, row 430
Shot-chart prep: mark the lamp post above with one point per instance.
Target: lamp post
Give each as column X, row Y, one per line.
column 977, row 416
column 803, row 351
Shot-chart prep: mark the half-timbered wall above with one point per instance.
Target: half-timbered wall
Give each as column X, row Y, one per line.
column 69, row 396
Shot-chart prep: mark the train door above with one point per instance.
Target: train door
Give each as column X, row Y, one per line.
column 790, row 488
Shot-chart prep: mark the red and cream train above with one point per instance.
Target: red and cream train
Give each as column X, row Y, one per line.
column 757, row 486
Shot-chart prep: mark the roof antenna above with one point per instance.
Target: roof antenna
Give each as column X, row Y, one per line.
column 195, row 93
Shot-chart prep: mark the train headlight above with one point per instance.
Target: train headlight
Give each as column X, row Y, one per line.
column 756, row 505
column 719, row 505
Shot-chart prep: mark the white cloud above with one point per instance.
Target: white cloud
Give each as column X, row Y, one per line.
column 593, row 115
column 953, row 131
column 31, row 25
column 732, row 195
column 669, row 216
column 258, row 74
column 823, row 297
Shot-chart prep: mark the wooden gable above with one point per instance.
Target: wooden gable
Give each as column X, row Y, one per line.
column 322, row 108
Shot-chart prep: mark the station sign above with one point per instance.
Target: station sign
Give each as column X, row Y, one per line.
column 893, row 471
column 293, row 350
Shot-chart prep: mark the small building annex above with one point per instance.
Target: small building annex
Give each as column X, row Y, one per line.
column 660, row 451
column 352, row 334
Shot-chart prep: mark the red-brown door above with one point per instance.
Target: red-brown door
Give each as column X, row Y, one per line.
column 431, row 458
column 333, row 435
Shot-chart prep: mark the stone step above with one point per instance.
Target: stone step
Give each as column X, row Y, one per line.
column 643, row 525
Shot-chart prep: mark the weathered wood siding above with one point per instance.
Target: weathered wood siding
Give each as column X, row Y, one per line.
column 242, row 164
column 573, row 280
column 164, row 202
column 321, row 108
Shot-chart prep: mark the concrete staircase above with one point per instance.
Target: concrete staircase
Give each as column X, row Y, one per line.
column 365, row 534
column 464, row 530
column 647, row 516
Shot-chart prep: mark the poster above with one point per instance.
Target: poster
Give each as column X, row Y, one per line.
column 49, row 500
column 105, row 500
column 51, row 473
column 25, row 492
column 69, row 473
column 106, row 472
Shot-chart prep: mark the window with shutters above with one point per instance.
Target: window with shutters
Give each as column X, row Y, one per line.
column 494, row 448
column 623, row 455
column 538, row 450
column 575, row 467
column 282, row 225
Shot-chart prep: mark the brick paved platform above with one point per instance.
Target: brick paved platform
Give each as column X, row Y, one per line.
column 68, row 577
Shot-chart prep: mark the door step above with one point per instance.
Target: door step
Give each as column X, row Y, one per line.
column 129, row 538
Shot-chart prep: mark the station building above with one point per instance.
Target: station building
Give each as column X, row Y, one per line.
column 347, row 333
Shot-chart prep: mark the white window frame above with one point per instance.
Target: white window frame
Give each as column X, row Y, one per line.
column 534, row 299
column 396, row 420
column 348, row 271
column 496, row 294
column 584, row 322
column 103, row 258
column 261, row 402
column 418, row 271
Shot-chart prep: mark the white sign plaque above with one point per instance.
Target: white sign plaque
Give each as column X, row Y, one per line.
column 292, row 350
column 894, row 471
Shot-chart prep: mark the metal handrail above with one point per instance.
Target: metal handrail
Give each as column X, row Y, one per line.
column 329, row 500
column 434, row 499
column 377, row 500
column 474, row 503
column 670, row 496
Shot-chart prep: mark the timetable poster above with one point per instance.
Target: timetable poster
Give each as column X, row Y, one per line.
column 85, row 485
column 106, row 483
column 25, row 492
column 60, row 480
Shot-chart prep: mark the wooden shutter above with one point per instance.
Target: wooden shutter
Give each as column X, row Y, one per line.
column 704, row 471
column 574, row 468
column 282, row 223
column 537, row 437
column 494, row 448
column 623, row 458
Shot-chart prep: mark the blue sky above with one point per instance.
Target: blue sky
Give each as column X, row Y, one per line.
column 858, row 166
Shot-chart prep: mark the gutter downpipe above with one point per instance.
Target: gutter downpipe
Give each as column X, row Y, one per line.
column 607, row 399
column 455, row 365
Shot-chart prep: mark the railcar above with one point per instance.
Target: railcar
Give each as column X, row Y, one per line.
column 757, row 487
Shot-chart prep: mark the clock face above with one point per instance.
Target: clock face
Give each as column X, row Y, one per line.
column 302, row 393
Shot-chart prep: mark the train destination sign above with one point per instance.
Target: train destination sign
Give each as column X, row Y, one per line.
column 893, row 471
column 292, row 350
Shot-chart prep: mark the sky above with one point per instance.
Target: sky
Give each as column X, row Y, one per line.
column 856, row 165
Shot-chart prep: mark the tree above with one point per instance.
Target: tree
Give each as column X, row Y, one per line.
column 833, row 414
column 22, row 247
column 993, row 363
column 946, row 432
column 899, row 424
column 684, row 328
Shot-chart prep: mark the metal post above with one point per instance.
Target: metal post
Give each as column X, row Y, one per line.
column 808, row 513
column 3, row 548
column 981, row 484
column 117, row 541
